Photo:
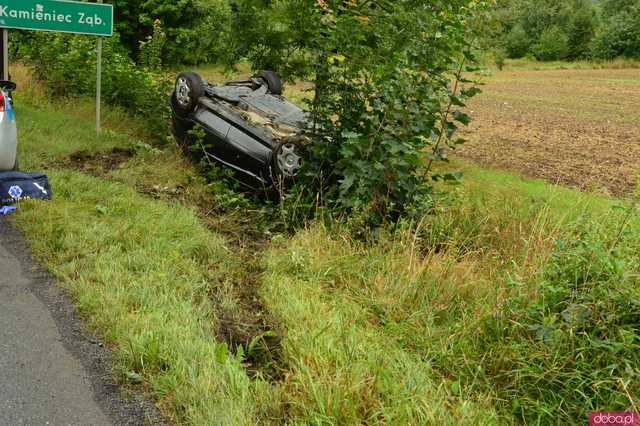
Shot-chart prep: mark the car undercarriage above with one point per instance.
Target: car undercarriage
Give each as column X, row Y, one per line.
column 248, row 126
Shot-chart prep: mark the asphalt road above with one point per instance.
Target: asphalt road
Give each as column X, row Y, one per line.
column 51, row 372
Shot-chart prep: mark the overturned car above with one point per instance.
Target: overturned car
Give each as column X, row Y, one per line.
column 248, row 125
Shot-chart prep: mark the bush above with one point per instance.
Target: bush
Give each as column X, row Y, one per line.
column 388, row 89
column 553, row 45
column 274, row 37
column 581, row 31
column 151, row 48
column 530, row 25
column 517, row 42
column 573, row 349
column 195, row 29
column 619, row 35
column 67, row 63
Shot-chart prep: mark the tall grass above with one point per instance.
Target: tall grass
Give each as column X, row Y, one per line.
column 359, row 321
column 571, row 347
column 463, row 300
column 530, row 64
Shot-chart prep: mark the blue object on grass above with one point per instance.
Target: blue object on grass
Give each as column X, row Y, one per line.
column 16, row 186
column 5, row 210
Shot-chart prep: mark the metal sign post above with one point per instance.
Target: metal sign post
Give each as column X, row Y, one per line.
column 99, row 83
column 5, row 54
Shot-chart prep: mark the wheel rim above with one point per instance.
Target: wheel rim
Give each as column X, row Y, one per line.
column 183, row 92
column 289, row 162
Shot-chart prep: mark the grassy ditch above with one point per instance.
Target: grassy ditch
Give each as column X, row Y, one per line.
column 142, row 272
column 514, row 288
column 484, row 317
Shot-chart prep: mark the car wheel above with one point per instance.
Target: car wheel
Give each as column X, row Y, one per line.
column 273, row 81
column 288, row 157
column 188, row 90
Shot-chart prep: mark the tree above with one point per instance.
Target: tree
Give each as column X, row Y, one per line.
column 274, row 35
column 195, row 29
column 517, row 42
column 581, row 30
column 619, row 33
column 529, row 24
column 388, row 93
column 611, row 8
column 552, row 45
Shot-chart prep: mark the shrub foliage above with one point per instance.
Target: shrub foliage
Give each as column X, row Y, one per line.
column 194, row 28
column 389, row 85
column 67, row 64
column 569, row 29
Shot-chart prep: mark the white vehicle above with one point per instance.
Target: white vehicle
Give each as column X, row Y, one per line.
column 8, row 130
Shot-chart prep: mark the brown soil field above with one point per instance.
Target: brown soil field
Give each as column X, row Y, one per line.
column 579, row 128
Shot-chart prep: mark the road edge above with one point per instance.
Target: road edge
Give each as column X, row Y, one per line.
column 87, row 348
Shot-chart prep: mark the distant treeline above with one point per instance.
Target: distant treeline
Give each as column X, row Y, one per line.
column 567, row 29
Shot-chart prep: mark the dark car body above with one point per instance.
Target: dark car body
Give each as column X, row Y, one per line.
column 247, row 128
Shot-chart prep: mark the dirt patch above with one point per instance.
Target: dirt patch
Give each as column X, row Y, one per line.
column 98, row 164
column 251, row 328
column 246, row 326
column 578, row 128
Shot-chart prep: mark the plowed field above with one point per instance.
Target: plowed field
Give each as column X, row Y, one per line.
column 579, row 128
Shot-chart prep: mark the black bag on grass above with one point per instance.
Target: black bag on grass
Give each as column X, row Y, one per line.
column 15, row 186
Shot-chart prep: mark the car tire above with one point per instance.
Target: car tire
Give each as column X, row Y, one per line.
column 273, row 81
column 288, row 157
column 188, row 90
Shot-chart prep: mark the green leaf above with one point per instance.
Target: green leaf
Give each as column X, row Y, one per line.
column 240, row 355
column 456, row 101
column 462, row 117
column 348, row 134
column 471, row 92
column 453, row 177
column 222, row 353
column 347, row 183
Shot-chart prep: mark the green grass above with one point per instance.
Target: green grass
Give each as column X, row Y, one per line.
column 530, row 64
column 364, row 321
column 358, row 322
column 393, row 332
column 142, row 271
column 564, row 204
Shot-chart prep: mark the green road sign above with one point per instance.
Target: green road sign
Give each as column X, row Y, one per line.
column 57, row 15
